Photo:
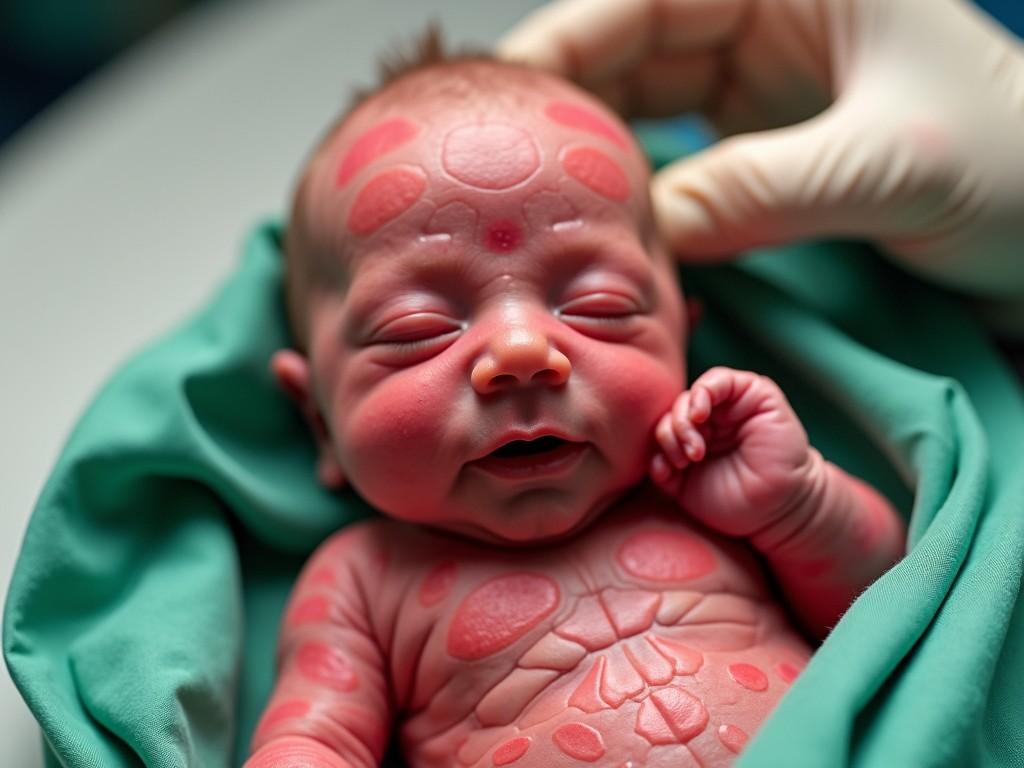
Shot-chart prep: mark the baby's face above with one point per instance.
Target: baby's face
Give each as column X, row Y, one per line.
column 509, row 332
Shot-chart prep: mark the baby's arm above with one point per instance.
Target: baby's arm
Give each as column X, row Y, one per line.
column 735, row 456
column 329, row 708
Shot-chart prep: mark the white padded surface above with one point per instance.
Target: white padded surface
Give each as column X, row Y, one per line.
column 123, row 206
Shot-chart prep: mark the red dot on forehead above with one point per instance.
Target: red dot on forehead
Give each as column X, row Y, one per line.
column 597, row 171
column 503, row 236
column 577, row 116
column 490, row 156
column 377, row 141
column 384, row 197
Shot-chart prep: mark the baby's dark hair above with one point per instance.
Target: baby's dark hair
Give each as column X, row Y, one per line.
column 422, row 69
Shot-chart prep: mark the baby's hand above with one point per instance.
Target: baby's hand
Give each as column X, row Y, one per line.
column 733, row 453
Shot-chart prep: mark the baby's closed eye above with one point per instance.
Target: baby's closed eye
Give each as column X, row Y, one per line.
column 410, row 338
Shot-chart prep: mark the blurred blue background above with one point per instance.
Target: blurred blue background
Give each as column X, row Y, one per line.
column 47, row 46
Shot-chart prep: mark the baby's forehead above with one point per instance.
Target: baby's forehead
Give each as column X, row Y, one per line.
column 494, row 171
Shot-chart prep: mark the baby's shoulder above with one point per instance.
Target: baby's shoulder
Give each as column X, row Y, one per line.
column 375, row 544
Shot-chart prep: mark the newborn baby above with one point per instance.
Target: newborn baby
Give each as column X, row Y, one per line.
column 571, row 568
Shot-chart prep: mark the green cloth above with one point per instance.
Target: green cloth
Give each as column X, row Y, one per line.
column 141, row 619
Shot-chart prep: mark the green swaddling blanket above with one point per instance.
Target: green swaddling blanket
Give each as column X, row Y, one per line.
column 142, row 617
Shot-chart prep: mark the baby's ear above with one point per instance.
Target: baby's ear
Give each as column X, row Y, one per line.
column 291, row 371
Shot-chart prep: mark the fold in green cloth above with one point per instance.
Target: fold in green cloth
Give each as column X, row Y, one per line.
column 141, row 620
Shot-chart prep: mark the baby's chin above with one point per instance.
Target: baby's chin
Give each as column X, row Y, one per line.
column 533, row 522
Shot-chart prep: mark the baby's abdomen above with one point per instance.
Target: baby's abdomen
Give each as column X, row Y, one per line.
column 638, row 678
column 660, row 645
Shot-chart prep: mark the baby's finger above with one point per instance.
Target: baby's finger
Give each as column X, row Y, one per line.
column 681, row 411
column 669, row 443
column 700, row 404
column 694, row 445
column 690, row 440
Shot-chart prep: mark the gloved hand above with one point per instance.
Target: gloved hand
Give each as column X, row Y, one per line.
column 899, row 121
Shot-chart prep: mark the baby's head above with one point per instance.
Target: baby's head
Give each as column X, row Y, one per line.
column 487, row 329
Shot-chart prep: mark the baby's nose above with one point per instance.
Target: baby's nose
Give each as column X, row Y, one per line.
column 520, row 356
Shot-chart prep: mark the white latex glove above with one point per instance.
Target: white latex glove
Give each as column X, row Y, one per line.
column 900, row 121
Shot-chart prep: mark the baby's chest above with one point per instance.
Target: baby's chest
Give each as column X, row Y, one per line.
column 496, row 628
column 637, row 619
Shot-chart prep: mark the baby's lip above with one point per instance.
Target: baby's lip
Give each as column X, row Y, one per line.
column 516, row 462
column 525, row 436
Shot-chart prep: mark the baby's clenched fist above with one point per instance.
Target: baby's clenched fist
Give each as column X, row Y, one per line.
column 733, row 453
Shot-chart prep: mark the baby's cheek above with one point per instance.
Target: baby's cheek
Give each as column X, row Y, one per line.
column 642, row 386
column 389, row 441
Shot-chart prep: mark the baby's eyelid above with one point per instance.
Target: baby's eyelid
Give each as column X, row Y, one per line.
column 601, row 302
column 415, row 326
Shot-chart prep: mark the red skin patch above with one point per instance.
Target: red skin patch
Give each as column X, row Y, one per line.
column 503, row 236
column 579, row 741
column 315, row 608
column 665, row 556
column 582, row 118
column 490, row 156
column 788, row 672
column 284, row 711
column 598, row 172
column 511, row 750
column 385, row 196
column 323, row 575
column 670, row 716
column 499, row 612
column 749, row 676
column 437, row 583
column 732, row 738
column 374, row 143
column 327, row 665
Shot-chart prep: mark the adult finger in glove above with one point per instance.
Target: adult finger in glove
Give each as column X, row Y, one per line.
column 900, row 121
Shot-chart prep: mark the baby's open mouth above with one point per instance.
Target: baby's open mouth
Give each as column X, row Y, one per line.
column 524, row 459
column 536, row 447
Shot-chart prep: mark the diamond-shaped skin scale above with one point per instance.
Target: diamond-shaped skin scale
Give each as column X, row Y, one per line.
column 589, row 625
column 553, row 652
column 652, row 665
column 685, row 660
column 671, row 715
column 587, row 695
column 630, row 610
column 620, row 681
